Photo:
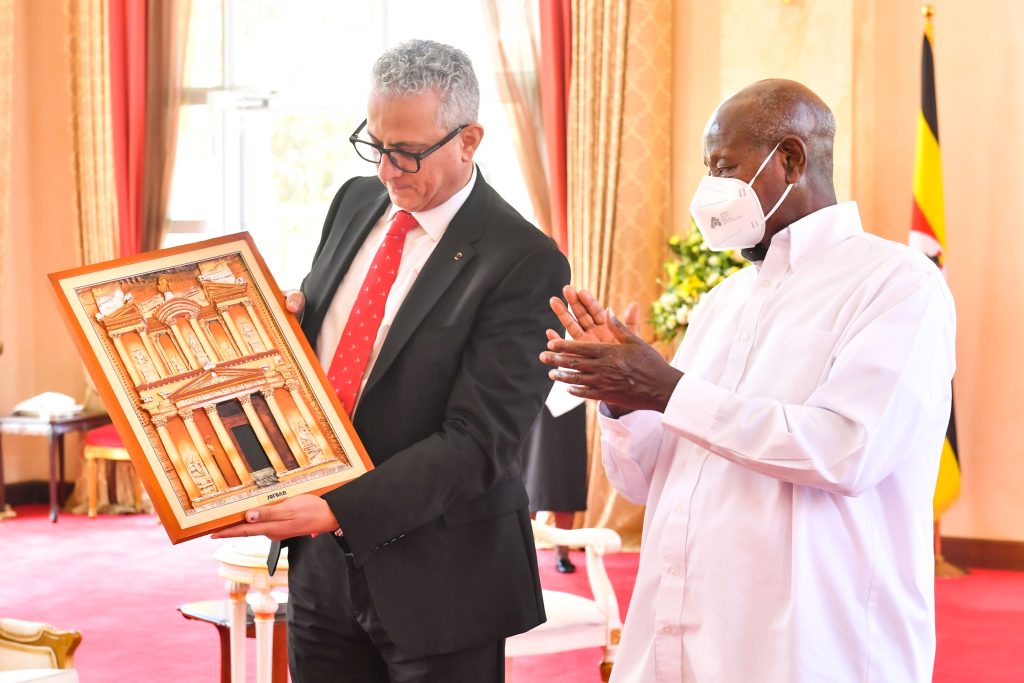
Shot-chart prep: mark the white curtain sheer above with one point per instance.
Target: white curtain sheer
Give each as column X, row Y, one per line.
column 514, row 25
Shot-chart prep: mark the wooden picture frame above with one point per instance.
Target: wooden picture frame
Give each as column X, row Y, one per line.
column 210, row 382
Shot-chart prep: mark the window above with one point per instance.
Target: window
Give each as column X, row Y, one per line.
column 273, row 90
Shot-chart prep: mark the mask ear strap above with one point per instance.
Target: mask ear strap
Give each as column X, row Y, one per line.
column 779, row 203
column 764, row 163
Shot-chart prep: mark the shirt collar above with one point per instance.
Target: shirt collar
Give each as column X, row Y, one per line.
column 816, row 232
column 435, row 221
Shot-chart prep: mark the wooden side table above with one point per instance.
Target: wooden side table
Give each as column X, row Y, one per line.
column 218, row 613
column 54, row 428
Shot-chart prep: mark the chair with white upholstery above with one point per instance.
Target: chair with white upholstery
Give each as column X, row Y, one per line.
column 33, row 651
column 576, row 622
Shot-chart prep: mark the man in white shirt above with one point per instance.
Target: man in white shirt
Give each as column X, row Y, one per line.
column 788, row 455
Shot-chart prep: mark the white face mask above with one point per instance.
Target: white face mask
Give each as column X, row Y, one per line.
column 728, row 213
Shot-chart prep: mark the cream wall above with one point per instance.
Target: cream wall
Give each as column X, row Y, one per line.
column 863, row 57
column 38, row 354
column 980, row 57
column 696, row 91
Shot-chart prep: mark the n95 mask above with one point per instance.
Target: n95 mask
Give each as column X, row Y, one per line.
column 728, row 213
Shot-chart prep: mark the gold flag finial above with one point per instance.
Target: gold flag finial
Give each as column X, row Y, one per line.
column 928, row 11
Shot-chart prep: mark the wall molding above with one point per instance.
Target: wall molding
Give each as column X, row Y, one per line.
column 983, row 554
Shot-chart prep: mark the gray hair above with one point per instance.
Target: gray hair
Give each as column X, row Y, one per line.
column 418, row 65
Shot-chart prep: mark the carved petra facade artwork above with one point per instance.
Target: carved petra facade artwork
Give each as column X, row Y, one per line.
column 213, row 383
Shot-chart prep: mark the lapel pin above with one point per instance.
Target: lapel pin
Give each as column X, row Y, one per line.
column 458, row 256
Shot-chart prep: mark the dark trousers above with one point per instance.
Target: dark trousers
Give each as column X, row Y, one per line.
column 335, row 634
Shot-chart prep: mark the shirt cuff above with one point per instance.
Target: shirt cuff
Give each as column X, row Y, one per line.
column 619, row 430
column 631, row 445
column 694, row 408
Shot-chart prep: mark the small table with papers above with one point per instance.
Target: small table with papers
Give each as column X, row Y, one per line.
column 54, row 428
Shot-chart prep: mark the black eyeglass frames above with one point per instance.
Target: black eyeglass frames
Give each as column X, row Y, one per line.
column 407, row 162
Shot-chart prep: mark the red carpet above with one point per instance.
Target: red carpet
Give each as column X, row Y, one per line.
column 119, row 580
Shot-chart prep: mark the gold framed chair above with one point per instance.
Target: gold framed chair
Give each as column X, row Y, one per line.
column 32, row 645
column 104, row 444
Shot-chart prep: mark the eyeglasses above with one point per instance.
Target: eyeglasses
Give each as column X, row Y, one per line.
column 407, row 162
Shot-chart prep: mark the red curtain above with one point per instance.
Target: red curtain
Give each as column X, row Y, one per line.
column 555, row 67
column 127, row 25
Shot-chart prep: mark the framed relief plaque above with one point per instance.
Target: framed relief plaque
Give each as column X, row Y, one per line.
column 211, row 384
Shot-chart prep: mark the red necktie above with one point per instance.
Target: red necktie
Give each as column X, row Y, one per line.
column 353, row 352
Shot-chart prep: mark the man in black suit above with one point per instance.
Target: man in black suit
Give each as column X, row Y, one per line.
column 418, row 570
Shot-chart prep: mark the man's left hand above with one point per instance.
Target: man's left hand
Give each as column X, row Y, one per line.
column 628, row 373
column 298, row 516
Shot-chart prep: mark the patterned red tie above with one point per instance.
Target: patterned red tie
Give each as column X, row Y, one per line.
column 353, row 352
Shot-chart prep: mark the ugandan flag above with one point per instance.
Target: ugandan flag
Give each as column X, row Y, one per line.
column 928, row 234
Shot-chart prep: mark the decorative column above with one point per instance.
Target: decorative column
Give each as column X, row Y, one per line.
column 201, row 448
column 261, row 434
column 223, row 354
column 286, row 429
column 119, row 345
column 293, row 388
column 194, row 324
column 228, row 445
column 183, row 350
column 236, row 596
column 264, row 609
column 163, row 354
column 151, row 350
column 257, row 323
column 160, row 422
column 179, row 369
column 236, row 336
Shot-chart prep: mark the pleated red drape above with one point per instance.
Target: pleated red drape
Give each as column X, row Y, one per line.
column 127, row 27
column 555, row 67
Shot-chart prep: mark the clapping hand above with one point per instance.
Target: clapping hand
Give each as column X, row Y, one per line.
column 606, row 360
column 588, row 319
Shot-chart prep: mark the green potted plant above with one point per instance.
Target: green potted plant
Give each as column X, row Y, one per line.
column 691, row 272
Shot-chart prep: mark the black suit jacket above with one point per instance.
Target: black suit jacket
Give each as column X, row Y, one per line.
column 440, row 526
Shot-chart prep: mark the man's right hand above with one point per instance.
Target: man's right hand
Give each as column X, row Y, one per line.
column 627, row 374
column 294, row 301
column 587, row 321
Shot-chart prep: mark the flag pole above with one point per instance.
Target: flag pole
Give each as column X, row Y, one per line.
column 943, row 567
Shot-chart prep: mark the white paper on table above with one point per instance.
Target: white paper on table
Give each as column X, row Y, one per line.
column 48, row 404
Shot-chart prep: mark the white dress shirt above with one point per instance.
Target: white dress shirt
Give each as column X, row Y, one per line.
column 419, row 245
column 789, row 482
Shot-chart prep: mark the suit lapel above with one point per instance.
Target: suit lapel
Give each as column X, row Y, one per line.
column 352, row 239
column 349, row 242
column 451, row 255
